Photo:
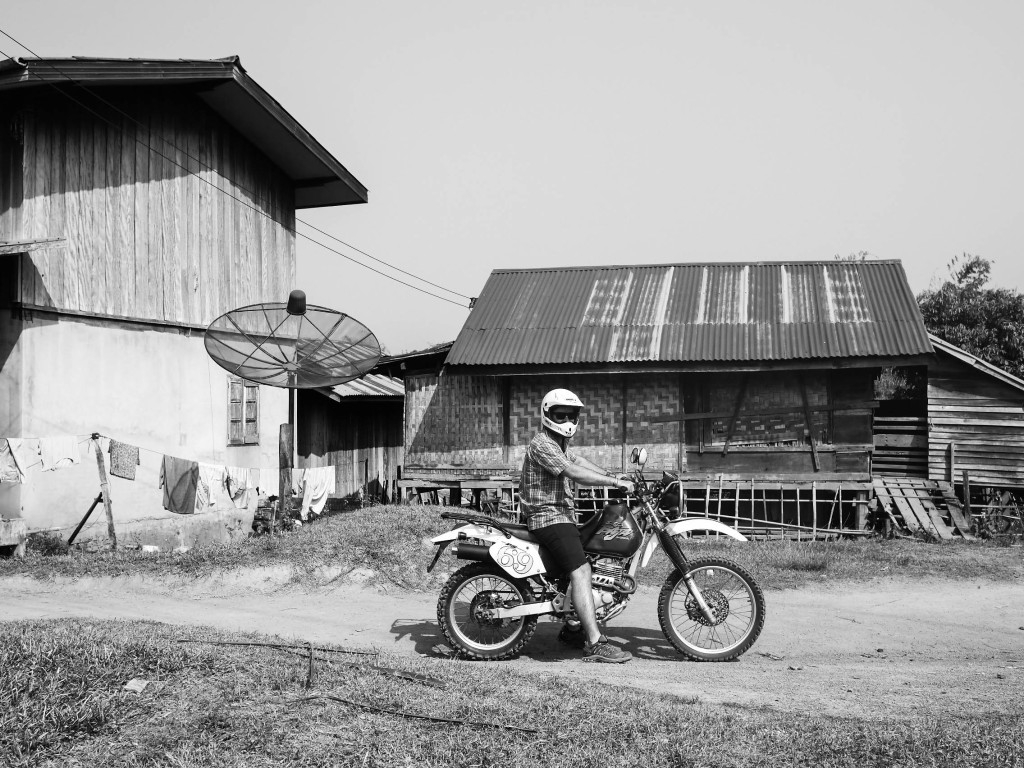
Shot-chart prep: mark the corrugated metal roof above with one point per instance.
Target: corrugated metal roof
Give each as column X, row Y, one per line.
column 693, row 313
column 371, row 385
column 976, row 362
column 223, row 84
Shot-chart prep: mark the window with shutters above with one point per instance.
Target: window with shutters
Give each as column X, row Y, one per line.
column 243, row 412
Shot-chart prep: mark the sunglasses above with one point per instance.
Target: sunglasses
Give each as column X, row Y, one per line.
column 560, row 417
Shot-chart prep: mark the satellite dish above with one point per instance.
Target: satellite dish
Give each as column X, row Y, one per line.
column 292, row 345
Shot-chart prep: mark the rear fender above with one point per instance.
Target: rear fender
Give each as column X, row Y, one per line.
column 519, row 558
column 686, row 528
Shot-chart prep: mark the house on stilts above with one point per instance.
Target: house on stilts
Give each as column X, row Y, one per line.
column 754, row 381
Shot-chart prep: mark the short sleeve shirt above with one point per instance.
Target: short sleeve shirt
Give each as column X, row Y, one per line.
column 545, row 495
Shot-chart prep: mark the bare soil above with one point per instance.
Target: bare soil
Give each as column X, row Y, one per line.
column 885, row 649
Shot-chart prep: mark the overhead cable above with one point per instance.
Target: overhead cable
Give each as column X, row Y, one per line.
column 227, row 193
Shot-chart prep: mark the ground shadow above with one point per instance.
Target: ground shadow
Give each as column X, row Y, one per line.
column 544, row 646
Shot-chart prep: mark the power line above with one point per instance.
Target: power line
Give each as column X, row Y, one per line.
column 227, row 193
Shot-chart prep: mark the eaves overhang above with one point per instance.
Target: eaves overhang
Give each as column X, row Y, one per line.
column 222, row 84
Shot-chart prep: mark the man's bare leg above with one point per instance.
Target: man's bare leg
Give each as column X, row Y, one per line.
column 583, row 601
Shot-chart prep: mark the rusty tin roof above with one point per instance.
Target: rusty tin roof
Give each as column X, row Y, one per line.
column 693, row 313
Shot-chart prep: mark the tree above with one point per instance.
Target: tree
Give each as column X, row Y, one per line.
column 987, row 322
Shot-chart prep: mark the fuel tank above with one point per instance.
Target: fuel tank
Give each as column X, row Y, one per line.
column 613, row 532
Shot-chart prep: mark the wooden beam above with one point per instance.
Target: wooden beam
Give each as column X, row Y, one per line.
column 809, row 425
column 736, row 413
column 862, row 408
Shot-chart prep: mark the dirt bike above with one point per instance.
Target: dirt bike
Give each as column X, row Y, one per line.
column 710, row 608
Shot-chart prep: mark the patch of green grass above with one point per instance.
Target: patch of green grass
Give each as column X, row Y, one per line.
column 62, row 702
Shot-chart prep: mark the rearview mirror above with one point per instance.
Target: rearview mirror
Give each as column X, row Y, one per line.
column 638, row 456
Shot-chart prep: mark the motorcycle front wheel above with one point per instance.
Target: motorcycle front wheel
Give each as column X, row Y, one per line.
column 732, row 595
column 462, row 613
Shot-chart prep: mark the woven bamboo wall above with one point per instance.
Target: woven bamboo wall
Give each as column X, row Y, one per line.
column 599, row 438
column 768, row 392
column 651, row 396
column 453, row 421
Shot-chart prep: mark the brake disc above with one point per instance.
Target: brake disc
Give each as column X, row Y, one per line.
column 717, row 602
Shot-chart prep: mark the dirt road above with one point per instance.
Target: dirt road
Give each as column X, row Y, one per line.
column 888, row 649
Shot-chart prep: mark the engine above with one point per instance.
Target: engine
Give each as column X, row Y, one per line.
column 609, row 573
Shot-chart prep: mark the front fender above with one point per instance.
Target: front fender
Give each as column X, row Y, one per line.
column 687, row 527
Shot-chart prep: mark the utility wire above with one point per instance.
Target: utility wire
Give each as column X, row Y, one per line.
column 225, row 192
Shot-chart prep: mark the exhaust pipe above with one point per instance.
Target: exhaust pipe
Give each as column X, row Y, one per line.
column 467, row 551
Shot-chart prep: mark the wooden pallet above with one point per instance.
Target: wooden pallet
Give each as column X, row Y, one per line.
column 928, row 506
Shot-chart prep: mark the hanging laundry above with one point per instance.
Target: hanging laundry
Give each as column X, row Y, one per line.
column 124, row 458
column 59, row 452
column 210, row 479
column 318, row 483
column 237, row 482
column 179, row 478
column 12, row 469
column 268, row 482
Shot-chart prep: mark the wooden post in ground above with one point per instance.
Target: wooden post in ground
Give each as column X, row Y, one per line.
column 104, row 489
column 285, row 452
column 967, row 496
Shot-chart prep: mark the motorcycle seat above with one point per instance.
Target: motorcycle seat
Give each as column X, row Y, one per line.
column 520, row 531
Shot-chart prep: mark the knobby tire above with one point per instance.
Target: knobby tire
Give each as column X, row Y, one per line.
column 673, row 613
column 458, row 637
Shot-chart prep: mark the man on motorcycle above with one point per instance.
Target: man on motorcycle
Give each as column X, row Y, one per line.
column 546, row 500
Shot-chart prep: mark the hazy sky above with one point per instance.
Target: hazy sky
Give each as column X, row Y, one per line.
column 523, row 134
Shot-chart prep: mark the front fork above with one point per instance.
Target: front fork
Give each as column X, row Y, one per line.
column 679, row 560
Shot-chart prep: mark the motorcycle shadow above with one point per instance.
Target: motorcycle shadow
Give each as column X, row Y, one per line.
column 643, row 643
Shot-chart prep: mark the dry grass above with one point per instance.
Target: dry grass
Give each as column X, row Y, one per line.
column 391, row 541
column 63, row 703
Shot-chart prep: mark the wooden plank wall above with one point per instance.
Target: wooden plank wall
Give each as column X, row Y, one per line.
column 147, row 238
column 983, row 417
column 362, row 440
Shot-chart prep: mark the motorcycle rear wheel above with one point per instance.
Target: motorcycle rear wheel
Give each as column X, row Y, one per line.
column 475, row 588
column 734, row 597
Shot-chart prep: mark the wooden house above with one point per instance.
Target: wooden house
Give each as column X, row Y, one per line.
column 140, row 200
column 754, row 381
column 355, row 427
column 975, row 422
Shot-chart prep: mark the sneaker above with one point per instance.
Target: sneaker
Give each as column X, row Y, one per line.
column 574, row 638
column 604, row 651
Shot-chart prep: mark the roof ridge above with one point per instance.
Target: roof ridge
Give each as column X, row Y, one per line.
column 794, row 262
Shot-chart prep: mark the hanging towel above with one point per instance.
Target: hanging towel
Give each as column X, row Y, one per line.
column 12, row 469
column 59, row 452
column 318, row 484
column 124, row 458
column 237, row 482
column 268, row 482
column 179, row 478
column 210, row 478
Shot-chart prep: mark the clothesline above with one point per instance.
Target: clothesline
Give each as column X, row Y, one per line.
column 189, row 485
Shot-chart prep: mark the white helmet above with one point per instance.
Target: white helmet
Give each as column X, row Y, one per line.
column 566, row 399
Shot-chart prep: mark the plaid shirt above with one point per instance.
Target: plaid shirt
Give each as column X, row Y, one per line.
column 545, row 495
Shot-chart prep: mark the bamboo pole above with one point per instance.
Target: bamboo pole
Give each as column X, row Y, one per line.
column 814, row 509
column 104, row 489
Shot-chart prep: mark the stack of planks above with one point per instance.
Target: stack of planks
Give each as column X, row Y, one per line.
column 901, row 446
column 927, row 507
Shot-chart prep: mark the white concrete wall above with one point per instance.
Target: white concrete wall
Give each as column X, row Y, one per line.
column 152, row 387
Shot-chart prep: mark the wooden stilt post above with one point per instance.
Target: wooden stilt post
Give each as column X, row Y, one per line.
column 104, row 489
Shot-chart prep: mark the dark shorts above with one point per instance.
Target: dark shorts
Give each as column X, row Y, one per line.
column 563, row 545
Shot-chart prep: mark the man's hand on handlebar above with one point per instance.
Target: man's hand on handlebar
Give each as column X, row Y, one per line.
column 624, row 484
